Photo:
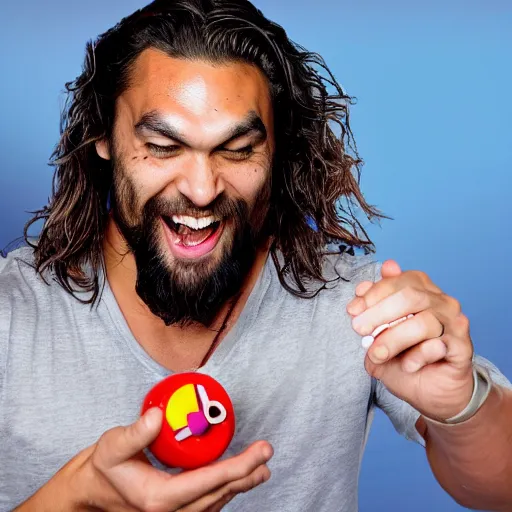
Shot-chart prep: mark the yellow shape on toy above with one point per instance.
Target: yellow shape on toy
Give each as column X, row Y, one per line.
column 182, row 402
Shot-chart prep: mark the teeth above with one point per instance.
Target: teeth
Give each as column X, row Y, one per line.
column 193, row 222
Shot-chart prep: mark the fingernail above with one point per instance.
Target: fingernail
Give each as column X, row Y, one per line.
column 379, row 354
column 358, row 324
column 411, row 366
column 268, row 452
column 152, row 417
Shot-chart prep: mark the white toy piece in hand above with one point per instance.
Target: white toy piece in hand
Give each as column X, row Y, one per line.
column 367, row 341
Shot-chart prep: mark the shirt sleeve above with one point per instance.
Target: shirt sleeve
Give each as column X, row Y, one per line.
column 404, row 416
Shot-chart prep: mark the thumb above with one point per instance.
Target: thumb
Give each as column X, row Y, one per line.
column 122, row 443
column 390, row 268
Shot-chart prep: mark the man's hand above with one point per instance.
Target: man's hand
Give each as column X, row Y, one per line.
column 114, row 475
column 425, row 360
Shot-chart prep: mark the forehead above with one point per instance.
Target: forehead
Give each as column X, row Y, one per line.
column 195, row 91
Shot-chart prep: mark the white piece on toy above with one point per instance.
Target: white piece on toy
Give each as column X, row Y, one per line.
column 367, row 341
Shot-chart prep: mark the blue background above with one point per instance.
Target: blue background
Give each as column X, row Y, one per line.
column 433, row 85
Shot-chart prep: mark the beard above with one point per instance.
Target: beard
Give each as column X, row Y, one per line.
column 181, row 291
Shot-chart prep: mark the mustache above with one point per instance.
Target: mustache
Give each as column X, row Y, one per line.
column 221, row 207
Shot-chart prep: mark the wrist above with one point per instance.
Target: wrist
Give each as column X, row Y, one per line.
column 54, row 496
column 487, row 423
column 482, row 386
column 66, row 491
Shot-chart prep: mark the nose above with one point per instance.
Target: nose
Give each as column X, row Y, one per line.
column 199, row 181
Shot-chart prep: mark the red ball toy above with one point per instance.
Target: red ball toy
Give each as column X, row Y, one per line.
column 198, row 420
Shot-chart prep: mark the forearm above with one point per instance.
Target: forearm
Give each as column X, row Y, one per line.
column 473, row 460
column 61, row 494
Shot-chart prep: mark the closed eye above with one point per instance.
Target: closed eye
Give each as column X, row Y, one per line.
column 172, row 149
column 239, row 154
column 158, row 150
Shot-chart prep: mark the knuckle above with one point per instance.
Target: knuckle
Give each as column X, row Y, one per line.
column 462, row 322
column 465, row 351
column 420, row 276
column 453, row 304
column 418, row 326
column 433, row 349
column 417, row 299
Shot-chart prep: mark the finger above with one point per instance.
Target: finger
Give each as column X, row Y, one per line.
column 390, row 268
column 363, row 287
column 221, row 504
column 393, row 283
column 456, row 330
column 428, row 352
column 190, row 486
column 369, row 293
column 460, row 346
column 122, row 443
column 228, row 491
column 404, row 335
column 399, row 304
column 356, row 306
column 393, row 371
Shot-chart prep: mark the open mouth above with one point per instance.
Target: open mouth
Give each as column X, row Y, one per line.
column 192, row 237
column 191, row 231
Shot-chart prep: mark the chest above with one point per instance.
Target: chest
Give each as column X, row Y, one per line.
column 299, row 385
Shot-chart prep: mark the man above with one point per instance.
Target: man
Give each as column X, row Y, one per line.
column 191, row 228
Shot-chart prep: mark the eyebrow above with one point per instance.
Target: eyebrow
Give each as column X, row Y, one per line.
column 153, row 122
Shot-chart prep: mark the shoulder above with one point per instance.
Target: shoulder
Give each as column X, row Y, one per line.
column 19, row 284
column 23, row 292
column 342, row 270
column 16, row 264
column 321, row 309
column 17, row 280
column 17, row 271
column 345, row 269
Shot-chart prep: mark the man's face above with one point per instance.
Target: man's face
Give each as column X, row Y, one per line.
column 191, row 149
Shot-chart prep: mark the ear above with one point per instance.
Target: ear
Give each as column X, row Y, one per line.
column 103, row 149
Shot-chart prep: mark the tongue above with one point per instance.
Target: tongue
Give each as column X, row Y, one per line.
column 191, row 237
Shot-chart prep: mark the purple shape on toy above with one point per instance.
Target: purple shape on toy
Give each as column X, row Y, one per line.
column 197, row 423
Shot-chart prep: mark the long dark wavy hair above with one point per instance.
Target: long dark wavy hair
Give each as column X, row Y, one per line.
column 316, row 171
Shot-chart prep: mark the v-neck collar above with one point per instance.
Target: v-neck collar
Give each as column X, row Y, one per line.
column 235, row 333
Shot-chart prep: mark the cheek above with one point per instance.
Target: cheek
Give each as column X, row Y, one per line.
column 146, row 176
column 144, row 180
column 249, row 181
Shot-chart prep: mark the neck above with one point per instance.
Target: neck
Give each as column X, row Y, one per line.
column 174, row 347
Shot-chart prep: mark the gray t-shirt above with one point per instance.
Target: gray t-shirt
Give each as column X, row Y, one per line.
column 293, row 368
